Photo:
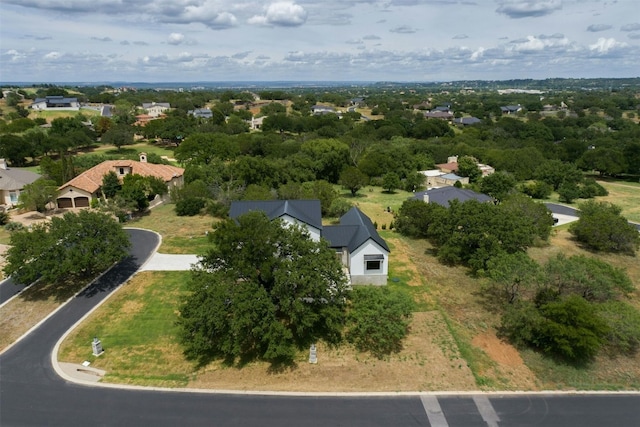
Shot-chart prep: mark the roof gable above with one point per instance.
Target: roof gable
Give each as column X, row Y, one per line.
column 306, row 211
column 363, row 230
column 16, row 179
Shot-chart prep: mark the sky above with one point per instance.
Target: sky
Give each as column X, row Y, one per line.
column 316, row 40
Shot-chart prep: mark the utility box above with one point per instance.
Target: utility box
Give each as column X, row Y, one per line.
column 97, row 347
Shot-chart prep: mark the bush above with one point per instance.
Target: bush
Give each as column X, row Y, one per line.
column 217, row 209
column 378, row 319
column 537, row 189
column 189, row 207
column 339, row 207
column 14, row 226
column 4, row 218
column 624, row 326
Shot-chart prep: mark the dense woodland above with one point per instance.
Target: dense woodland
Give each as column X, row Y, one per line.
column 559, row 141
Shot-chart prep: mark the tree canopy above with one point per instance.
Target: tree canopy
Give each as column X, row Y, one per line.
column 263, row 291
column 74, row 246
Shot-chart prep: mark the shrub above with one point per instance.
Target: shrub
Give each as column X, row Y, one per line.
column 339, row 207
column 189, row 207
column 624, row 326
column 378, row 319
column 13, row 226
column 4, row 218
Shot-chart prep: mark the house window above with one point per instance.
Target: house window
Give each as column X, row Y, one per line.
column 13, row 196
column 373, row 262
column 121, row 171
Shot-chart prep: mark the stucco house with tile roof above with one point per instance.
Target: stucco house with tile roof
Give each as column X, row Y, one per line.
column 362, row 251
column 12, row 181
column 85, row 187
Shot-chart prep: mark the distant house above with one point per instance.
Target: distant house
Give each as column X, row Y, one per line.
column 155, row 109
column 56, row 102
column 442, row 115
column 444, row 195
column 12, row 181
column 322, row 109
column 357, row 101
column 466, row 121
column 357, row 243
column 201, row 113
column 85, row 187
column 510, row 109
column 452, row 166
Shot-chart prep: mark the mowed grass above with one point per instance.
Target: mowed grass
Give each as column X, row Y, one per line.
column 138, row 331
column 624, row 194
column 133, row 149
column 180, row 234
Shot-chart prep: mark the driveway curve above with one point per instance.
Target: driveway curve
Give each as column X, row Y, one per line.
column 32, row 394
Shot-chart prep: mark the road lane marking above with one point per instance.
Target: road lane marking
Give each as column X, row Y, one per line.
column 434, row 411
column 485, row 408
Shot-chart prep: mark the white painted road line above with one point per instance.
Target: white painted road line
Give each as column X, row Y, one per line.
column 485, row 408
column 434, row 412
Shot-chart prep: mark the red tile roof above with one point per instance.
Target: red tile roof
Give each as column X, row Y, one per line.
column 91, row 179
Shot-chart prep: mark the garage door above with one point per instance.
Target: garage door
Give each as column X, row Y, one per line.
column 65, row 202
column 82, row 202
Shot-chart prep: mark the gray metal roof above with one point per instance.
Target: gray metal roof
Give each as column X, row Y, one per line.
column 357, row 229
column 444, row 195
column 306, row 211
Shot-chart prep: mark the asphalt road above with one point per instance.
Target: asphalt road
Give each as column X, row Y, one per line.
column 31, row 394
column 9, row 289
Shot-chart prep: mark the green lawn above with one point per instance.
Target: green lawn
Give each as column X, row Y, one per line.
column 138, row 332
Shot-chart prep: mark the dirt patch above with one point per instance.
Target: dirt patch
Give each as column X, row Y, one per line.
column 509, row 364
column 429, row 361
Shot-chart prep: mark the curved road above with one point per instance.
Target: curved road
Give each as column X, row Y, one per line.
column 31, row 394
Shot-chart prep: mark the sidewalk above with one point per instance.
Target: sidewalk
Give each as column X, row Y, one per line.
column 169, row 262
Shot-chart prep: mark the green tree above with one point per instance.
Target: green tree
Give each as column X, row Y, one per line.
column 37, row 195
column 110, row 185
column 415, row 217
column 468, row 167
column 498, row 185
column 602, row 227
column 75, row 246
column 513, row 274
column 378, row 319
column 135, row 191
column 353, row 179
column 590, row 278
column 118, row 135
column 390, row 182
column 263, row 291
column 568, row 192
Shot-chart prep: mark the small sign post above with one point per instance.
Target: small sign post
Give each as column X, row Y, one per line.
column 313, row 355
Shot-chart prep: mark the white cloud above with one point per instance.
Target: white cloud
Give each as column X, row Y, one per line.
column 175, row 38
column 604, row 45
column 52, row 55
column 283, row 14
column 528, row 8
column 403, row 29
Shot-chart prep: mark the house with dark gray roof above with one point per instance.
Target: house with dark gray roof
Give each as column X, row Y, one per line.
column 444, row 195
column 201, row 113
column 362, row 251
column 56, row 102
column 12, row 181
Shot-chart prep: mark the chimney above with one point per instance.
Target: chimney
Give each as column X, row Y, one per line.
column 425, row 198
column 3, row 164
column 143, row 157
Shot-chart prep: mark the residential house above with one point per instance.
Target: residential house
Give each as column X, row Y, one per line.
column 443, row 115
column 12, row 181
column 362, row 251
column 452, row 166
column 466, row 121
column 56, row 102
column 437, row 178
column 155, row 109
column 510, row 109
column 444, row 195
column 85, row 187
column 201, row 113
column 322, row 109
